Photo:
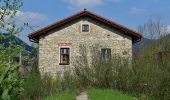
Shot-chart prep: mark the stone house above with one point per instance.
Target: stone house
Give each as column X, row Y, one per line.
column 59, row 42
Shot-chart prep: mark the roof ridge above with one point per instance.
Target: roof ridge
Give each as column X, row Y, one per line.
column 85, row 12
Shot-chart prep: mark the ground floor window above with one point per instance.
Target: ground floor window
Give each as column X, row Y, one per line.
column 106, row 54
column 64, row 56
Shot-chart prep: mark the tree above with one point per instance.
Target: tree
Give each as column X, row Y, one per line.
column 154, row 59
column 10, row 80
column 153, row 29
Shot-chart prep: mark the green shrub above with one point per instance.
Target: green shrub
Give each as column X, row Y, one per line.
column 147, row 75
column 38, row 87
column 98, row 73
column 10, row 82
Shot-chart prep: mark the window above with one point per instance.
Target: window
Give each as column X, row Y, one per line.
column 124, row 52
column 64, row 56
column 85, row 28
column 106, row 54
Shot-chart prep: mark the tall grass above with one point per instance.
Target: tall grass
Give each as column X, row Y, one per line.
column 37, row 87
column 97, row 72
column 146, row 75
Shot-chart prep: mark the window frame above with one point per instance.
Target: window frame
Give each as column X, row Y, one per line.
column 82, row 28
column 109, row 56
column 60, row 55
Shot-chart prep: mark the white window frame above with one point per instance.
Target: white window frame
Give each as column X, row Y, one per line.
column 69, row 55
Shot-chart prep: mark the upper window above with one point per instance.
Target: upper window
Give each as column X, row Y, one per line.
column 64, row 56
column 106, row 54
column 85, row 28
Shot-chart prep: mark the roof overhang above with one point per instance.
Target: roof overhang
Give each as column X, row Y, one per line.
column 34, row 36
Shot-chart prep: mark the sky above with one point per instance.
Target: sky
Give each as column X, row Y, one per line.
column 129, row 13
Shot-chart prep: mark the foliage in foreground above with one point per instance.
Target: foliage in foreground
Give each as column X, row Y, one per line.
column 10, row 79
column 37, row 87
column 147, row 76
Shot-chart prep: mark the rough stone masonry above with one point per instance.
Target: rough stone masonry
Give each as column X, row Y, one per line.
column 71, row 36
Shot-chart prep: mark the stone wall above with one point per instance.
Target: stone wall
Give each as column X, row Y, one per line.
column 71, row 36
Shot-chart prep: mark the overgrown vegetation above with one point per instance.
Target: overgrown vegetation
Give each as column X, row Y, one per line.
column 147, row 75
column 37, row 87
column 10, row 79
column 98, row 72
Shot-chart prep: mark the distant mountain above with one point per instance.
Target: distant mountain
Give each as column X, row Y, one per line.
column 167, row 36
column 143, row 43
column 18, row 42
column 146, row 42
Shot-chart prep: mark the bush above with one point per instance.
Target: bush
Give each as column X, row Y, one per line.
column 145, row 76
column 38, row 87
column 98, row 73
column 11, row 82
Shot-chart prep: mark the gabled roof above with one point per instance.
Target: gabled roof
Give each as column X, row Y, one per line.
column 136, row 36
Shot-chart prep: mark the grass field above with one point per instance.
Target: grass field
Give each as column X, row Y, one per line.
column 66, row 95
column 103, row 94
column 93, row 94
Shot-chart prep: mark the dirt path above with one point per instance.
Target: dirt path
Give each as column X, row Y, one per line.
column 82, row 96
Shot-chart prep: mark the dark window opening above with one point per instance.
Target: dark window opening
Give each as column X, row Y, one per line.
column 124, row 52
column 85, row 28
column 64, row 56
column 106, row 54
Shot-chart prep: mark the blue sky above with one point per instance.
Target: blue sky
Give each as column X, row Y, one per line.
column 130, row 13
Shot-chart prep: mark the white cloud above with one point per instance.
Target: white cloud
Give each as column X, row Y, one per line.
column 135, row 10
column 168, row 29
column 34, row 19
column 165, row 30
column 115, row 1
column 82, row 3
column 89, row 3
column 31, row 17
